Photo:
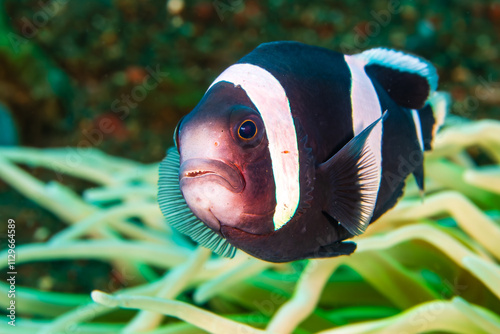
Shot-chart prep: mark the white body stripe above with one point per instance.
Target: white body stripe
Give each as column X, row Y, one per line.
column 365, row 107
column 418, row 127
column 270, row 99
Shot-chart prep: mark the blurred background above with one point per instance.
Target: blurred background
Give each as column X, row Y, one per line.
column 66, row 65
column 117, row 75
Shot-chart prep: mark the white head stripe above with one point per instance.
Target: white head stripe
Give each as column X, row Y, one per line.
column 365, row 107
column 418, row 127
column 270, row 99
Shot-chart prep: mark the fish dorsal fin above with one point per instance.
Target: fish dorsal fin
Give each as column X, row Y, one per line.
column 177, row 213
column 353, row 176
column 409, row 80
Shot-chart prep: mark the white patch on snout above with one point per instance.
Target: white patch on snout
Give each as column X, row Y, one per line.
column 211, row 202
column 270, row 99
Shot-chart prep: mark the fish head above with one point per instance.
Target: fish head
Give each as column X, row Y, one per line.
column 225, row 173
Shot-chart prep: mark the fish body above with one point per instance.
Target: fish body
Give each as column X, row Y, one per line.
column 295, row 149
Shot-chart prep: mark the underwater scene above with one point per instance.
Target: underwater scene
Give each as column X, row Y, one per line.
column 243, row 166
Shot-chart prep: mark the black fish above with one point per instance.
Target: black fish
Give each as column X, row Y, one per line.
column 296, row 148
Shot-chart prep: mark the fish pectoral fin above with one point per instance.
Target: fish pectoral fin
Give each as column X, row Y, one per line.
column 353, row 175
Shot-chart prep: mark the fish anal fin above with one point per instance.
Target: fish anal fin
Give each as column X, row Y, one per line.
column 418, row 173
column 334, row 249
column 353, row 175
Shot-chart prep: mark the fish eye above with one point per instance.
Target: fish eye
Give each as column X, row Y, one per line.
column 247, row 130
column 247, row 127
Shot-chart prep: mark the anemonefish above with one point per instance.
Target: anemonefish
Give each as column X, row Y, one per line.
column 295, row 149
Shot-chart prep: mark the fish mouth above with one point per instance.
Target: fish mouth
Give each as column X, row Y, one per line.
column 197, row 173
column 227, row 175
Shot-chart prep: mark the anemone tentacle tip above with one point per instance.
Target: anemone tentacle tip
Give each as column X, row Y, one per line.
column 104, row 298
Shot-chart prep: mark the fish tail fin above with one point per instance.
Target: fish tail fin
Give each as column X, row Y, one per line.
column 432, row 116
column 427, row 121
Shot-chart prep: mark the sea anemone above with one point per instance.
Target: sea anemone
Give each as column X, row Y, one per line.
column 428, row 265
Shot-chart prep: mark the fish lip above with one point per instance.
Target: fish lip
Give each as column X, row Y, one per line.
column 226, row 174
